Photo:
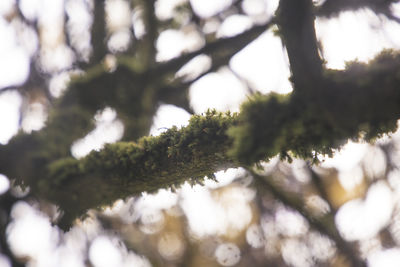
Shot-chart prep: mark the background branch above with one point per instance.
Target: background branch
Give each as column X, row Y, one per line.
column 325, row 225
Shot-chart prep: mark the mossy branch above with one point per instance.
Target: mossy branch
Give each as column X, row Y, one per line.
column 361, row 102
column 352, row 106
column 127, row 168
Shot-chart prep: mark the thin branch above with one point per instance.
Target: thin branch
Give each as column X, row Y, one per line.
column 390, row 15
column 33, row 24
column 235, row 43
column 8, row 88
column 250, row 89
column 178, row 94
column 318, row 183
column 221, row 58
column 325, row 226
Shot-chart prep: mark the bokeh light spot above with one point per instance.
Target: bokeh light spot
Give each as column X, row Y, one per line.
column 227, row 254
column 10, row 103
column 4, row 184
column 104, row 253
column 255, row 236
column 168, row 116
column 170, row 246
column 360, row 220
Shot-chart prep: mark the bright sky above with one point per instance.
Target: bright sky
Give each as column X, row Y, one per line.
column 263, row 64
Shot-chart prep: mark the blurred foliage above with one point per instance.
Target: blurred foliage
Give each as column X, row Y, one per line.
column 280, row 210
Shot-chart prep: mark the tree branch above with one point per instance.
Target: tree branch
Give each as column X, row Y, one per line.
column 321, row 189
column 223, row 45
column 98, row 33
column 126, row 168
column 325, row 225
column 303, row 126
column 296, row 25
column 358, row 103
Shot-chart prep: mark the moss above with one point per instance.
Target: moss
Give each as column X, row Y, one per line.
column 261, row 120
column 342, row 105
column 61, row 169
column 122, row 169
column 361, row 102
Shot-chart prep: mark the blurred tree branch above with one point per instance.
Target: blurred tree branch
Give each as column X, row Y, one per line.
column 223, row 45
column 326, row 108
column 324, row 224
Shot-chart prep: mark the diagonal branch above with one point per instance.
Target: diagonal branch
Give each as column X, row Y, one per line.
column 223, row 45
column 325, row 225
column 177, row 94
column 318, row 183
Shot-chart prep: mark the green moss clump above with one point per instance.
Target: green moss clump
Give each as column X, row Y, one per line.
column 262, row 120
column 361, row 102
column 123, row 169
